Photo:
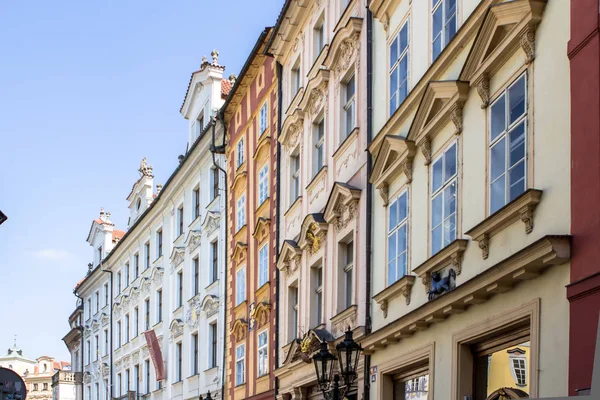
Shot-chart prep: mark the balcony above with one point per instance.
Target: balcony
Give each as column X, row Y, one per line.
column 67, row 377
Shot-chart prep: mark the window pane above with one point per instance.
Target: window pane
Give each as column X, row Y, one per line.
column 403, row 69
column 404, row 38
column 392, row 246
column 437, row 47
column 401, row 266
column 436, row 211
column 393, row 215
column 402, row 207
column 402, row 239
column 498, row 118
column 517, row 180
column 498, row 159
column 450, row 200
column 497, row 194
column 394, row 52
column 437, row 21
column 394, row 80
column 436, row 240
column 517, row 143
column 403, row 93
column 350, row 88
column 450, row 29
column 450, row 8
column 392, row 272
column 393, row 106
column 449, row 230
column 437, row 175
column 450, row 161
column 516, row 96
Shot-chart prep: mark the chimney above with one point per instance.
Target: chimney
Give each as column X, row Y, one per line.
column 158, row 188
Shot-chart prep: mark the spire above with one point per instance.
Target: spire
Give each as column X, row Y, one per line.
column 145, row 169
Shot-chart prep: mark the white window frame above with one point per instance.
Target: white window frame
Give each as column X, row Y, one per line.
column 349, row 107
column 453, row 180
column 393, row 231
column 443, row 34
column 319, row 146
column 240, row 359
column 348, row 271
column 240, row 285
column 504, row 135
column 239, row 153
column 295, row 177
column 318, row 293
column 263, row 184
column 403, row 54
column 318, row 37
column 263, row 353
column 263, row 118
column 241, row 212
column 263, row 264
column 296, row 77
column 513, row 369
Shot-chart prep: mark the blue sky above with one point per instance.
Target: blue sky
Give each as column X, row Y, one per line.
column 87, row 88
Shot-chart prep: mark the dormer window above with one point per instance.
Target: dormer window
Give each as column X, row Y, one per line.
column 99, row 255
column 138, row 204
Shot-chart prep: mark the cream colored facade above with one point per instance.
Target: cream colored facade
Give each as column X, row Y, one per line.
column 322, row 48
column 502, row 247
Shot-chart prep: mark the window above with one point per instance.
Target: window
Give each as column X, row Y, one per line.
column 215, row 182
column 136, row 266
column 159, row 306
column 96, row 302
column 411, row 387
column 443, row 25
column 179, row 289
column 96, row 348
column 106, row 348
column 240, row 286
column 136, row 322
column 198, row 125
column 214, row 246
column 147, row 255
column 508, row 149
column 119, row 333
column 293, row 296
column 127, row 380
column 88, row 352
column 196, row 199
column 147, row 373
column 194, row 343
column 119, row 279
column 295, row 78
column 212, row 360
column 45, row 387
column 240, row 354
column 319, row 143
column 318, row 37
column 317, row 278
column 99, row 253
column 159, row 238
column 397, row 238
column 263, row 353
column 179, row 362
column 89, row 308
column 196, row 282
column 263, row 265
column 146, row 314
column 136, row 376
column 126, row 274
column 241, row 212
column 491, row 363
column 519, row 370
column 443, row 199
column 295, row 174
column 240, row 153
column 105, row 294
column 119, row 384
column 347, row 273
column 399, row 67
column 263, row 184
column 349, row 106
column 263, row 118
column 126, row 328
column 35, row 387
column 180, row 221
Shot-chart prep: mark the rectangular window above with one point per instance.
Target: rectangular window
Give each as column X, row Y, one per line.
column 263, row 118
column 136, row 376
column 126, row 328
column 240, row 153
column 127, row 380
column 240, row 355
column 508, row 145
column 179, row 289
column 136, row 322
column 159, row 307
column 263, row 353
column 106, row 341
column 293, row 312
column 263, row 265
column 97, row 302
column 215, row 182
column 212, row 361
column 241, row 212
column 119, row 385
column 215, row 261
column 263, row 184
column 146, row 314
column 147, row 255
column 347, row 273
column 196, row 199
column 318, row 37
column 119, row 334
column 159, row 248
column 88, row 352
column 136, row 266
column 319, row 146
column 349, row 106
column 179, row 362
column 194, row 343
column 295, row 78
column 89, row 308
column 106, row 294
column 397, row 238
column 399, row 68
column 96, row 347
column 443, row 199
column 99, row 254
column 126, row 274
column 180, row 221
column 295, row 175
column 317, row 278
column 443, row 25
column 147, row 374
column 199, row 124
column 196, row 282
column 119, row 279
column 411, row 386
column 240, row 286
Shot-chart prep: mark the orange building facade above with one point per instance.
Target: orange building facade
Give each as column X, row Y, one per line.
column 250, row 116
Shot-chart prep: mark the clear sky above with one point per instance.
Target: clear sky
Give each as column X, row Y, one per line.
column 88, row 88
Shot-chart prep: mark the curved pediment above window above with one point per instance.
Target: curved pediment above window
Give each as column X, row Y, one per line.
column 260, row 313
column 239, row 252
column 316, row 95
column 303, row 349
column 177, row 256
column 211, row 222
column 157, row 275
column 261, row 230
column 313, row 232
column 342, row 205
column 193, row 240
column 442, row 102
column 175, row 328
column 239, row 182
column 210, row 305
column 239, row 329
column 292, row 128
column 395, row 157
column 290, row 256
column 506, row 27
column 262, row 148
column 145, row 285
column 344, row 48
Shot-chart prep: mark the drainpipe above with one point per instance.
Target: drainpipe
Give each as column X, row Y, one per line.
column 110, row 329
column 278, row 212
column 367, row 363
column 214, row 149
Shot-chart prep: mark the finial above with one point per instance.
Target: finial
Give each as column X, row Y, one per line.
column 204, row 60
column 145, row 169
column 232, row 78
column 215, row 56
column 15, row 342
column 158, row 188
column 101, row 212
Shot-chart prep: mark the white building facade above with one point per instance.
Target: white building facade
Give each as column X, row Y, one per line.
column 165, row 274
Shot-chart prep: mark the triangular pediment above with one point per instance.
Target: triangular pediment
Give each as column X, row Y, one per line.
column 342, row 195
column 177, row 255
column 441, row 98
column 395, row 156
column 261, row 230
column 500, row 35
column 211, row 222
column 291, row 129
column 239, row 252
column 289, row 257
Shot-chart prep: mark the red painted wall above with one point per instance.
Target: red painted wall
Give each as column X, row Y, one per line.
column 584, row 291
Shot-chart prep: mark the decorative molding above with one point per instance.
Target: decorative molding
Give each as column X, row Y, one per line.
column 157, row 275
column 210, row 305
column 239, row 252
column 401, row 286
column 289, row 258
column 292, row 129
column 175, row 329
column 313, row 233
column 211, row 222
column 193, row 240
column 395, row 157
column 522, row 208
column 177, row 256
column 344, row 321
column 239, row 329
column 316, row 94
column 342, row 206
column 451, row 255
column 317, row 185
column 262, row 229
column 259, row 314
column 344, row 48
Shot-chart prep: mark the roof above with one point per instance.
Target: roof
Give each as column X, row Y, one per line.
column 225, row 88
column 202, row 68
column 117, row 234
column 284, row 10
column 2, row 217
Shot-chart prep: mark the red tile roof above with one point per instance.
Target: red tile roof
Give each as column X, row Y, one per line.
column 225, row 88
column 117, row 234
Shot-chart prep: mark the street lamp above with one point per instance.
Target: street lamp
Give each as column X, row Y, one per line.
column 348, row 354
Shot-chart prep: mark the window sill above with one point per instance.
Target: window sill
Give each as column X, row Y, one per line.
column 157, row 259
column 196, row 219
column 178, row 237
column 449, row 255
column 316, row 66
column 522, row 208
column 212, row 285
column 401, row 286
column 292, row 206
column 211, row 369
column 179, row 308
column 346, row 142
column 316, row 178
column 212, row 203
column 344, row 320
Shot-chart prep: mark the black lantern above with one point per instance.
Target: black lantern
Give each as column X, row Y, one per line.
column 348, row 355
column 324, row 362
